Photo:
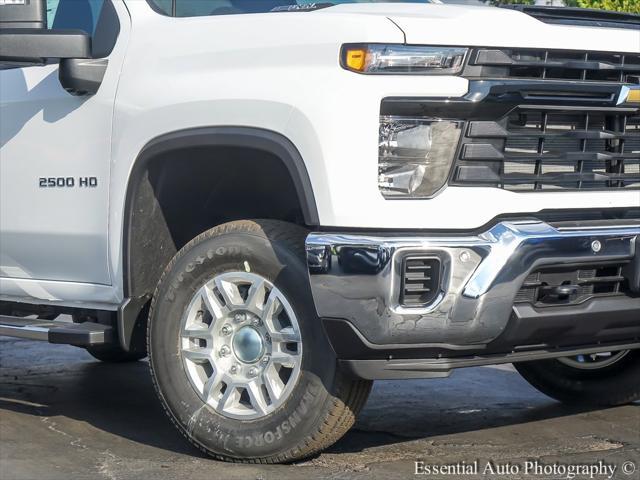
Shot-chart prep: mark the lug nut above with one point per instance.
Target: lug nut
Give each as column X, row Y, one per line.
column 256, row 322
column 267, row 337
column 234, row 369
column 224, row 351
column 239, row 317
column 265, row 360
column 227, row 329
column 253, row 372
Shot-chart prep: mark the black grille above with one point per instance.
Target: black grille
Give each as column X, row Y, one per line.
column 420, row 281
column 554, row 65
column 577, row 284
column 579, row 16
column 550, row 150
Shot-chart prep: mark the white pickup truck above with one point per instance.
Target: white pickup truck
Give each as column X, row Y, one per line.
column 279, row 202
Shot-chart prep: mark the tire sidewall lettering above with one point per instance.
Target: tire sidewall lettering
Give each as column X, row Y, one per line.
column 285, row 428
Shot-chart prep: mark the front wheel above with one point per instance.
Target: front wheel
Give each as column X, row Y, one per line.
column 237, row 353
column 605, row 379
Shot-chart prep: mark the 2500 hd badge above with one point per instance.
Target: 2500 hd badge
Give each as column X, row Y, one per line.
column 68, row 182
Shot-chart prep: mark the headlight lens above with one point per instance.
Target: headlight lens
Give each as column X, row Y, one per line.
column 415, row 155
column 403, row 59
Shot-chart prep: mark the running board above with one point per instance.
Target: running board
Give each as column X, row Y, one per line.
column 85, row 334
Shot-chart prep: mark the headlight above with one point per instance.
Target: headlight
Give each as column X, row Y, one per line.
column 403, row 59
column 415, row 155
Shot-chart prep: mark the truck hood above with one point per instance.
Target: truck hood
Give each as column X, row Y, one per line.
column 466, row 25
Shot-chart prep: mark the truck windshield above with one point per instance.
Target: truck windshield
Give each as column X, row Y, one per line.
column 192, row 8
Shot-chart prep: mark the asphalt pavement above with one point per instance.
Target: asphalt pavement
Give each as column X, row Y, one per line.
column 66, row 416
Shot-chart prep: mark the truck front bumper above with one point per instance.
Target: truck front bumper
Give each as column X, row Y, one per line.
column 357, row 286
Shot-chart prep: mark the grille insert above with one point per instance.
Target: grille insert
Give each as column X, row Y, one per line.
column 551, row 149
column 420, row 281
column 554, row 65
column 583, row 282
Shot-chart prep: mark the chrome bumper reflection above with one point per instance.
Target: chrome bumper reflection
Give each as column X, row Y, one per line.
column 357, row 277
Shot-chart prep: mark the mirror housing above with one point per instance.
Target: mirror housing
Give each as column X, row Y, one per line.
column 24, row 45
column 23, row 14
column 25, row 40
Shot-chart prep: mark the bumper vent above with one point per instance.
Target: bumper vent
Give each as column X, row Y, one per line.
column 572, row 285
column 534, row 149
column 420, row 281
column 554, row 65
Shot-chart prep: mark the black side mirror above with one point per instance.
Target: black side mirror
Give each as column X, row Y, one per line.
column 24, row 37
column 25, row 40
column 23, row 14
column 33, row 45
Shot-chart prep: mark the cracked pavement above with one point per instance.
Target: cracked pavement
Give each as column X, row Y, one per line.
column 66, row 416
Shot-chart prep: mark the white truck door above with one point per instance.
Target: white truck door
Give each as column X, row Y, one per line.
column 55, row 152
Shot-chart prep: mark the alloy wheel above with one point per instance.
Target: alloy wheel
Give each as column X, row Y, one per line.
column 241, row 345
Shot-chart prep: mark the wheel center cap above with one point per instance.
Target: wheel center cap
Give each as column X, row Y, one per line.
column 247, row 345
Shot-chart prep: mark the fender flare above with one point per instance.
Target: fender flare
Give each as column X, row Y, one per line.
column 245, row 137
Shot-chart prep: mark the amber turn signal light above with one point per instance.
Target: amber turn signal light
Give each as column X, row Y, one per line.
column 355, row 59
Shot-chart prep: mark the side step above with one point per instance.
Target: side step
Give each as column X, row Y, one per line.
column 85, row 334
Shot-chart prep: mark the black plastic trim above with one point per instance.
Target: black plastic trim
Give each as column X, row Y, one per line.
column 494, row 99
column 632, row 271
column 82, row 76
column 599, row 320
column 245, row 137
column 132, row 315
column 392, row 369
column 32, row 14
column 37, row 45
column 579, row 16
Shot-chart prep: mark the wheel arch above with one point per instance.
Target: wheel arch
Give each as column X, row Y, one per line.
column 143, row 220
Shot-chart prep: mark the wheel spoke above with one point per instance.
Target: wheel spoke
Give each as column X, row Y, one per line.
column 286, row 335
column 272, row 308
column 230, row 293
column 256, row 296
column 198, row 355
column 256, row 395
column 285, row 359
column 197, row 332
column 230, row 395
column 273, row 383
column 211, row 385
column 211, row 303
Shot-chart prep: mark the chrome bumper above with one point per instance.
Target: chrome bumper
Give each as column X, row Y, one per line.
column 481, row 275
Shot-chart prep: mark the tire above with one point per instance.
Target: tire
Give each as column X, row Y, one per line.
column 321, row 404
column 114, row 354
column 610, row 385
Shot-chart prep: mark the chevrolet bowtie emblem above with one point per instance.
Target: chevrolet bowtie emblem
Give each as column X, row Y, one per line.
column 629, row 95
